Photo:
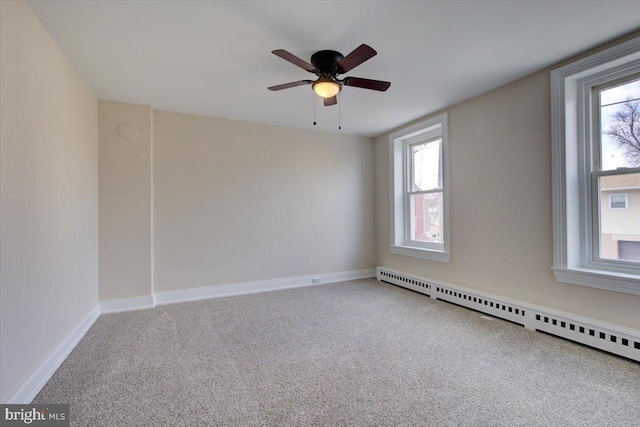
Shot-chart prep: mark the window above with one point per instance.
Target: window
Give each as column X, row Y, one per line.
column 618, row 201
column 420, row 191
column 596, row 169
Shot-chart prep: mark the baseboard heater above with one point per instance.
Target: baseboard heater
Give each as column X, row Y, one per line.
column 611, row 338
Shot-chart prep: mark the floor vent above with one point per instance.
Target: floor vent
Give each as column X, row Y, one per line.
column 618, row 340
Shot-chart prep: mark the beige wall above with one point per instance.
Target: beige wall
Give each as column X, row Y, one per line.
column 501, row 205
column 125, row 201
column 49, row 195
column 237, row 202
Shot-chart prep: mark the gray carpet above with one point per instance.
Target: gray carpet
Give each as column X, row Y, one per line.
column 359, row 353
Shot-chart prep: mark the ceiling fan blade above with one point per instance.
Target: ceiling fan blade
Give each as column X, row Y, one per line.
column 367, row 83
column 292, row 84
column 330, row 101
column 358, row 56
column 294, row 60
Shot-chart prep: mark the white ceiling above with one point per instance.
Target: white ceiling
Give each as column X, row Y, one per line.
column 214, row 58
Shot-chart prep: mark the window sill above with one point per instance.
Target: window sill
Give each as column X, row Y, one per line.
column 420, row 253
column 611, row 281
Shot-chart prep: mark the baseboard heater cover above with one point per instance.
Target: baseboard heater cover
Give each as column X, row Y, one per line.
column 611, row 338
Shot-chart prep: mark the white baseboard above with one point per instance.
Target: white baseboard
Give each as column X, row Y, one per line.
column 25, row 393
column 194, row 294
column 343, row 276
column 594, row 333
column 127, row 304
column 170, row 297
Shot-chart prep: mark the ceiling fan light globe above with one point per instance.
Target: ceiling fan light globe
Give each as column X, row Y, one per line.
column 327, row 89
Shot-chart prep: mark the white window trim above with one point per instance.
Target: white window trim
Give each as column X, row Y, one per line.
column 570, row 87
column 626, row 201
column 397, row 142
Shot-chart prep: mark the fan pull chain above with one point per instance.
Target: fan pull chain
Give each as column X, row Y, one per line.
column 339, row 114
column 314, row 109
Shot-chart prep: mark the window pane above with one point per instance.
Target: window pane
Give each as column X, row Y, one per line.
column 620, row 217
column 618, row 201
column 427, row 170
column 620, row 126
column 426, row 218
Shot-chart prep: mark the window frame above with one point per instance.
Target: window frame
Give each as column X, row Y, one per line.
column 401, row 168
column 574, row 176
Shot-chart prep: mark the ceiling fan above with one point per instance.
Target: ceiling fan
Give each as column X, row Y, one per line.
column 327, row 65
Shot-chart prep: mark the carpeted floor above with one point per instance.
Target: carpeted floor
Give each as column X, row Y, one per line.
column 359, row 353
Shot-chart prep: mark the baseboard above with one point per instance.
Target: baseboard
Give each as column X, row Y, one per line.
column 594, row 333
column 127, row 304
column 29, row 388
column 170, row 297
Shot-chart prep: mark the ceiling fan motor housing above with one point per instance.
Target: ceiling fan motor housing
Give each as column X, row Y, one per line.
column 325, row 62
